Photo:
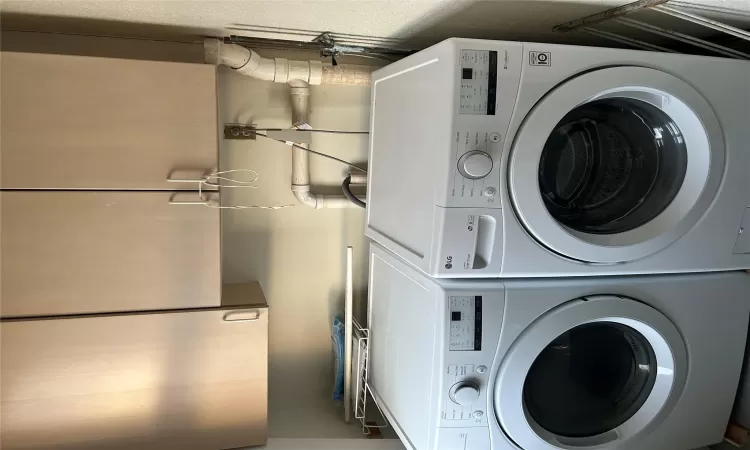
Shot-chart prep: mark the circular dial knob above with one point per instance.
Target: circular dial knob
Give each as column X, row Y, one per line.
column 464, row 393
column 475, row 164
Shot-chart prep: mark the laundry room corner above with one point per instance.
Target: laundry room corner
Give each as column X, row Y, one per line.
column 375, row 224
column 297, row 253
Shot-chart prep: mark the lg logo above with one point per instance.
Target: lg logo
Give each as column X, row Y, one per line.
column 540, row 58
column 449, row 262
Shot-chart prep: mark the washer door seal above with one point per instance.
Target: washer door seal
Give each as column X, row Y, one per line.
column 654, row 402
column 697, row 126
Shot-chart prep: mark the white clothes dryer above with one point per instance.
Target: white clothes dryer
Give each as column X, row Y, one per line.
column 510, row 159
column 649, row 362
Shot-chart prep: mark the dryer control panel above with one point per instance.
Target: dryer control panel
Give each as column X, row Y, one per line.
column 475, row 180
column 486, row 87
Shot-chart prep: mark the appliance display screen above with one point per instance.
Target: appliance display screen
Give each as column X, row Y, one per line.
column 478, row 82
column 465, row 323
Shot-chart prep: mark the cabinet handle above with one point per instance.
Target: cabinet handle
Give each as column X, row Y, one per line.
column 188, row 175
column 202, row 199
column 255, row 316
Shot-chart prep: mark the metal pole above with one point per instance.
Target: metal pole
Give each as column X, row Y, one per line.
column 626, row 40
column 608, row 14
column 710, row 23
column 683, row 37
column 348, row 324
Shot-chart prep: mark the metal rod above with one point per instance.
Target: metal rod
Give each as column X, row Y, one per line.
column 710, row 23
column 710, row 8
column 683, row 37
column 606, row 15
column 626, row 40
column 349, row 323
column 316, row 45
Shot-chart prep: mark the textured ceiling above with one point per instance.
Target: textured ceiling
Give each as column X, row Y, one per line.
column 417, row 21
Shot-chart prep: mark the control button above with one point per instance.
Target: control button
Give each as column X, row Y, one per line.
column 477, row 414
column 475, row 165
column 464, row 393
column 489, row 192
column 494, row 137
column 481, row 369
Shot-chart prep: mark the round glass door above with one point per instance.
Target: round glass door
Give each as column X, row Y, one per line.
column 612, row 165
column 590, row 379
column 615, row 164
column 591, row 373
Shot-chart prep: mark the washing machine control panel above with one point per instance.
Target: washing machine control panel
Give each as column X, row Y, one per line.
column 466, row 396
column 472, row 328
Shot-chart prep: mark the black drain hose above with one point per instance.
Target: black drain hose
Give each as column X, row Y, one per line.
column 348, row 193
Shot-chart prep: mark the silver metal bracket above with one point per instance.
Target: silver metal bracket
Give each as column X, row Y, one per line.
column 239, row 131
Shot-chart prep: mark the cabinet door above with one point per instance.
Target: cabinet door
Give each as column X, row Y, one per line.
column 80, row 122
column 188, row 380
column 73, row 252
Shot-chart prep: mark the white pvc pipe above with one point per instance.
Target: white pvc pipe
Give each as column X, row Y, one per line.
column 299, row 94
column 349, row 74
column 259, row 67
column 299, row 75
column 282, row 70
column 358, row 178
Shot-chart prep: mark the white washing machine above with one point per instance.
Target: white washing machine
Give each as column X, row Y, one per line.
column 645, row 363
column 509, row 159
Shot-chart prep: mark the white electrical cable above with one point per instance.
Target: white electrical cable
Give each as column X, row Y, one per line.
column 248, row 184
column 238, row 183
column 249, row 206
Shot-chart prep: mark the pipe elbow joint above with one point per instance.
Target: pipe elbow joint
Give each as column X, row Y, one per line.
column 307, row 198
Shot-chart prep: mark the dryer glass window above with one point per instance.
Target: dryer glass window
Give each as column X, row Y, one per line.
column 590, row 379
column 612, row 165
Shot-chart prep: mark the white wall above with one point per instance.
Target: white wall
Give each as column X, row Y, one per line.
column 297, row 254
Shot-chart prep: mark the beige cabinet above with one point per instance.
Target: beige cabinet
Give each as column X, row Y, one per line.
column 84, row 122
column 74, row 252
column 114, row 333
column 189, row 380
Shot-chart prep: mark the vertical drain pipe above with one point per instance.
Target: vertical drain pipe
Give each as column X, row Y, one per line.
column 299, row 92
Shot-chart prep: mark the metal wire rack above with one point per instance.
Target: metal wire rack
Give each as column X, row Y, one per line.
column 672, row 8
column 362, row 388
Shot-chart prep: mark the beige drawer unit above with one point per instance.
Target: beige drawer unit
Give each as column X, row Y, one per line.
column 75, row 252
column 85, row 122
column 187, row 379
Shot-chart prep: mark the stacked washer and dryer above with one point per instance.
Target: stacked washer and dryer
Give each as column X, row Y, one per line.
column 558, row 239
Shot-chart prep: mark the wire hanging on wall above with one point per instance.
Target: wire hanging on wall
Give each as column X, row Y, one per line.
column 219, row 177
